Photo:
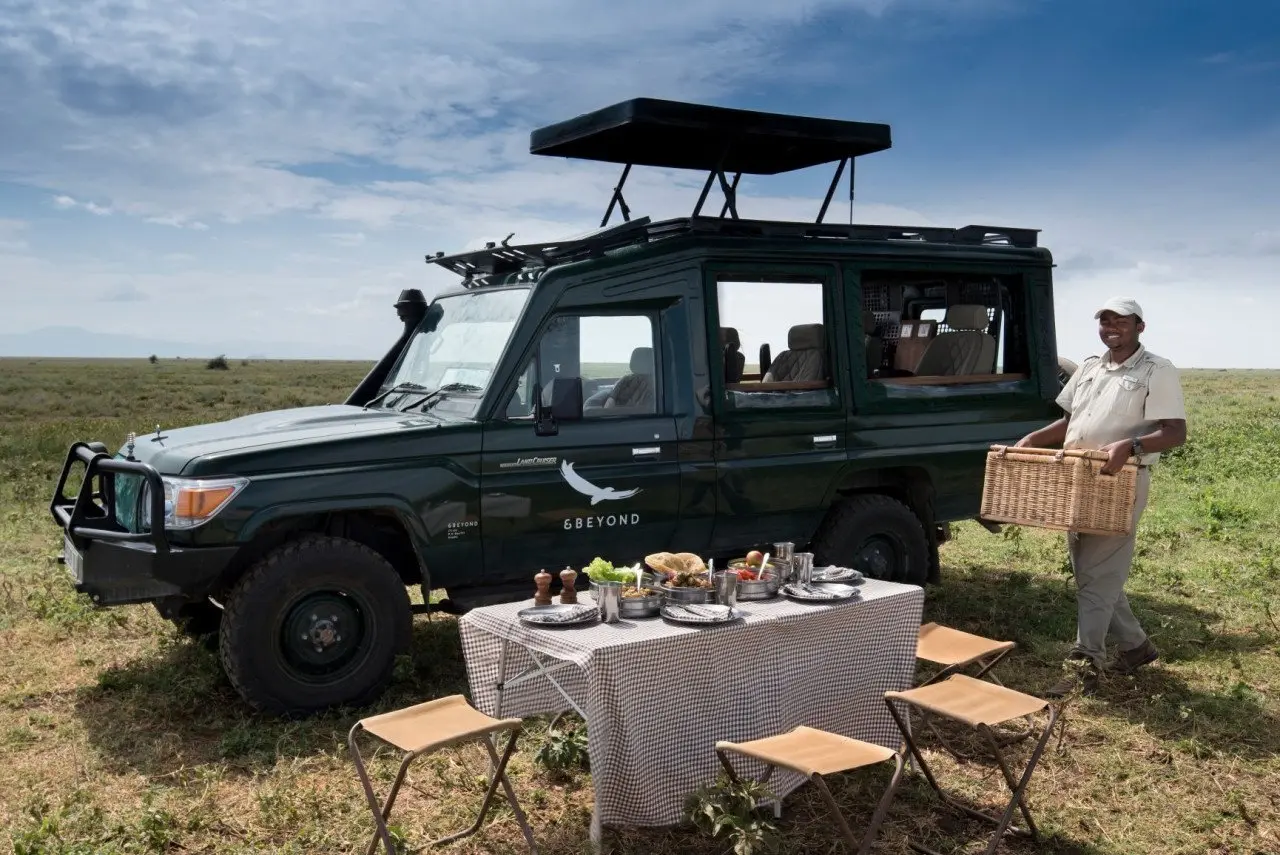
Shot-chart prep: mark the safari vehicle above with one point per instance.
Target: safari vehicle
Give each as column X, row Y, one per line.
column 708, row 383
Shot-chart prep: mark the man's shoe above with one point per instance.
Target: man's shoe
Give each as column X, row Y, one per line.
column 1128, row 661
column 1082, row 678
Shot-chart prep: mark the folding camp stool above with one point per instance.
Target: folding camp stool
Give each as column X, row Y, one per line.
column 428, row 727
column 957, row 650
column 816, row 753
column 980, row 705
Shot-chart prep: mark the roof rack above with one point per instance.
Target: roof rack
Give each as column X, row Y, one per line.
column 480, row 267
column 719, row 140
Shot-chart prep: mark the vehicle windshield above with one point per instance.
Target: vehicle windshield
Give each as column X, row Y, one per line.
column 462, row 350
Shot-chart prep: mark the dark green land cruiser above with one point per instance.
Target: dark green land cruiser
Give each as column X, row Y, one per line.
column 706, row 384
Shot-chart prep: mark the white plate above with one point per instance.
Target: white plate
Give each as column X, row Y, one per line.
column 821, row 592
column 700, row 613
column 838, row 574
column 560, row 614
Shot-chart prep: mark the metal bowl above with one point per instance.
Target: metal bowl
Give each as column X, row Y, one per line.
column 641, row 607
column 688, row 595
column 763, row 588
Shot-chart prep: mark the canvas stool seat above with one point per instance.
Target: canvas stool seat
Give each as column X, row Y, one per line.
column 431, row 726
column 955, row 650
column 816, row 753
column 980, row 705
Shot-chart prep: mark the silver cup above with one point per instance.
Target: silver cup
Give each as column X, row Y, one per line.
column 726, row 589
column 609, row 601
column 785, row 552
column 802, row 568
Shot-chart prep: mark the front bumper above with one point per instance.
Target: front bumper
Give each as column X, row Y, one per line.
column 112, row 565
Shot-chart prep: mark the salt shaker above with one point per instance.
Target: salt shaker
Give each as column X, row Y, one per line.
column 568, row 594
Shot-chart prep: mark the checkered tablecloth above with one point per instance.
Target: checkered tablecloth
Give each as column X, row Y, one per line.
column 658, row 695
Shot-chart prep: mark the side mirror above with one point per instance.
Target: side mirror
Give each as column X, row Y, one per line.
column 566, row 406
column 566, row 399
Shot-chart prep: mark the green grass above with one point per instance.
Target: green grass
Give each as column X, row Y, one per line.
column 118, row 736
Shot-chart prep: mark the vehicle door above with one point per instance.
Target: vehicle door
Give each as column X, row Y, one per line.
column 780, row 427
column 947, row 363
column 605, row 483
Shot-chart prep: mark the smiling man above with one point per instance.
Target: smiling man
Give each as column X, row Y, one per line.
column 1126, row 402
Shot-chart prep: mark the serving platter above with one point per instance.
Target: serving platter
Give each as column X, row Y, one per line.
column 819, row 592
column 560, row 614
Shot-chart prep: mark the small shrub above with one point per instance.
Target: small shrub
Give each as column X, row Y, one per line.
column 728, row 810
column 564, row 751
column 153, row 359
column 218, row 363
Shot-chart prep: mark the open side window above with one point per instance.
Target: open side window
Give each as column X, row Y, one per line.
column 776, row 338
column 943, row 328
column 612, row 354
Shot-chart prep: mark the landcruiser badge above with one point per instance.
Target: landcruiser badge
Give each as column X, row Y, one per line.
column 586, row 488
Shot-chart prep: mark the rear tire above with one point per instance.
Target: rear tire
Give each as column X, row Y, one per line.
column 876, row 535
column 314, row 624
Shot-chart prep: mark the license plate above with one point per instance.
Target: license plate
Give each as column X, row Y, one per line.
column 73, row 558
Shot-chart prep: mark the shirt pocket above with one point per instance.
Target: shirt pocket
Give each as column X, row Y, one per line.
column 1131, row 396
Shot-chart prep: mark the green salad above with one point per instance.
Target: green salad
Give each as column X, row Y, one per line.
column 600, row 570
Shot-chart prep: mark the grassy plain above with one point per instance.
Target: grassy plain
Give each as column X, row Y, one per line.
column 119, row 736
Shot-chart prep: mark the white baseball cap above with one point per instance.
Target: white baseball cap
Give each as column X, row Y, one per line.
column 1121, row 306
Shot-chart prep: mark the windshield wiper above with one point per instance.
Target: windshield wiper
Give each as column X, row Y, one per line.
column 434, row 396
column 399, row 387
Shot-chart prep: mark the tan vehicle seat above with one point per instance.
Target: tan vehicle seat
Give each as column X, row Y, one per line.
column 734, row 359
column 805, row 357
column 635, row 391
column 967, row 349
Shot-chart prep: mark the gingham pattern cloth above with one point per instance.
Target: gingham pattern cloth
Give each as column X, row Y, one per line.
column 658, row 695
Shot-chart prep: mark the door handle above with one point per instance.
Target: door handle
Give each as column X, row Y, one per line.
column 649, row 451
column 824, row 439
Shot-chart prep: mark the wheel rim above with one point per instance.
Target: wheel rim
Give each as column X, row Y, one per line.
column 879, row 558
column 324, row 636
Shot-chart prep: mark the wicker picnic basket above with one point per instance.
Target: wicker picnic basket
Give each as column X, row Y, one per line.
column 1057, row 489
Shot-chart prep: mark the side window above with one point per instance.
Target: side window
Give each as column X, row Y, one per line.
column 613, row 355
column 776, row 342
column 944, row 329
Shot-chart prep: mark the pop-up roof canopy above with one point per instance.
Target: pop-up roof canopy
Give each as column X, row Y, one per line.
column 719, row 140
column 650, row 132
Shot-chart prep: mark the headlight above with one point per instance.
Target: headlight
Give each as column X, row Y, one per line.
column 189, row 502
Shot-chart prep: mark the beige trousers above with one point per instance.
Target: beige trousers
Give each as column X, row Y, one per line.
column 1101, row 564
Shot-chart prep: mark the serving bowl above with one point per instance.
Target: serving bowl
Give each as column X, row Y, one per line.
column 641, row 607
column 686, row 594
column 763, row 588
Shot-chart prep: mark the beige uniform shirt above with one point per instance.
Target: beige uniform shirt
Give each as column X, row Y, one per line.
column 1109, row 402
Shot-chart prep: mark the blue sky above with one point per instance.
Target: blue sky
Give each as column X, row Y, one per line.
column 275, row 172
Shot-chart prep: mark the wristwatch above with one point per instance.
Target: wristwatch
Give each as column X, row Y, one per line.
column 1137, row 447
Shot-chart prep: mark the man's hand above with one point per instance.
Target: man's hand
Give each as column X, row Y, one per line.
column 1117, row 456
column 1025, row 442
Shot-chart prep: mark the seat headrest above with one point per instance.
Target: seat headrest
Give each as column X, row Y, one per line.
column 964, row 316
column 729, row 336
column 868, row 322
column 806, row 337
column 642, row 360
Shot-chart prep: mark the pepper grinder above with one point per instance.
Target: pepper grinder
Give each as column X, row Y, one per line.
column 542, row 597
column 568, row 593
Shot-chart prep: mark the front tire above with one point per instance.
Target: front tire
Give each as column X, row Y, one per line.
column 878, row 536
column 316, row 623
